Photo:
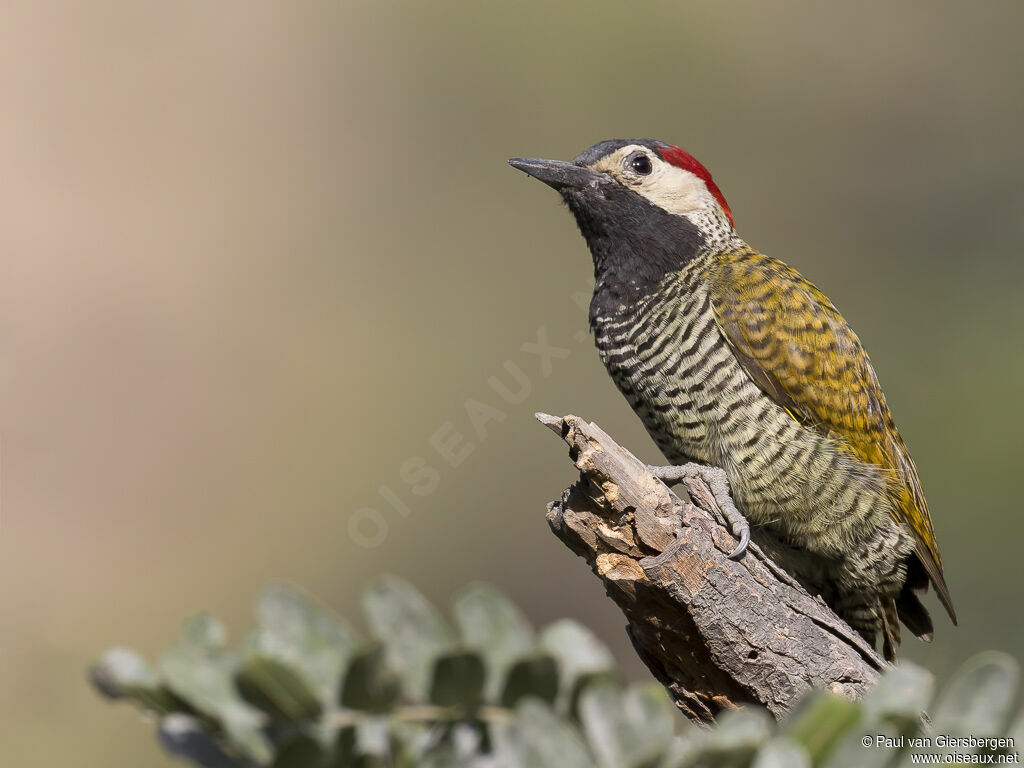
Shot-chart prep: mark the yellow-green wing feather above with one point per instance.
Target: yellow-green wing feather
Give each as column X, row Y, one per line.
column 799, row 350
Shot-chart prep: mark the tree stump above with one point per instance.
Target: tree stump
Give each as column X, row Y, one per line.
column 717, row 633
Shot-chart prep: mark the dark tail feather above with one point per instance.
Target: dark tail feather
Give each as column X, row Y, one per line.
column 890, row 630
column 914, row 614
column 908, row 604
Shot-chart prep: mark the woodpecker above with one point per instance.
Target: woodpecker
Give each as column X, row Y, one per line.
column 733, row 360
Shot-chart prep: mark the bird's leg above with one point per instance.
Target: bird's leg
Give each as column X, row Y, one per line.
column 718, row 483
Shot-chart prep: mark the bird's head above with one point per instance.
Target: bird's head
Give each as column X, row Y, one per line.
column 644, row 206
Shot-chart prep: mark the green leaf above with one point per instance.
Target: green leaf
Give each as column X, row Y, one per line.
column 820, row 721
column 442, row 756
column 120, row 669
column 370, row 684
column 201, row 672
column 892, row 708
column 300, row 751
column 652, row 719
column 851, row 750
column 739, row 733
column 977, row 700
column 411, row 630
column 1016, row 732
column 199, row 669
column 625, row 729
column 203, row 631
column 468, row 739
column 899, row 696
column 508, row 749
column 412, row 740
column 607, row 733
column 185, row 736
column 373, row 737
column 343, row 753
column 278, row 689
column 569, row 702
column 581, row 657
column 491, row 623
column 681, row 753
column 547, row 740
column 782, row 752
column 302, row 636
column 122, row 673
column 535, row 676
column 458, row 680
column 458, row 747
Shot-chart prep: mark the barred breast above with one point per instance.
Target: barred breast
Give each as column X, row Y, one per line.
column 668, row 357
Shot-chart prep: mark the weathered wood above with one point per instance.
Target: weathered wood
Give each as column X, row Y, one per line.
column 715, row 632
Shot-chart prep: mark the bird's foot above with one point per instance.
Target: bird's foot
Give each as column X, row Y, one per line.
column 718, row 483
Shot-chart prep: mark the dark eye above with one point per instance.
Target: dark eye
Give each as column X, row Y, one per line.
column 640, row 163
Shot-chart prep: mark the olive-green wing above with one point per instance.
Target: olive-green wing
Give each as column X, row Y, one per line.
column 799, row 350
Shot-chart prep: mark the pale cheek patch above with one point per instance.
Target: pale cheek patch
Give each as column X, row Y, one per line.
column 668, row 187
column 675, row 190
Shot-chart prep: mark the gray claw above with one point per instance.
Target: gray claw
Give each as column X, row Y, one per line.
column 741, row 548
column 717, row 483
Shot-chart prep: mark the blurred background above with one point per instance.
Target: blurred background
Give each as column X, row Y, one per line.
column 260, row 260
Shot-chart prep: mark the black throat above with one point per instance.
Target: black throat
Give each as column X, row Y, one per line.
column 634, row 243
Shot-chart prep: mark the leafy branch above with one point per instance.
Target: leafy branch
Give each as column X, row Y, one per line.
column 305, row 690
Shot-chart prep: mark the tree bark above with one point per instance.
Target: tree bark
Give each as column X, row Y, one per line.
column 716, row 633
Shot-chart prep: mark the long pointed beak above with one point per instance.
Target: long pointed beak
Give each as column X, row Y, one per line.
column 557, row 173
